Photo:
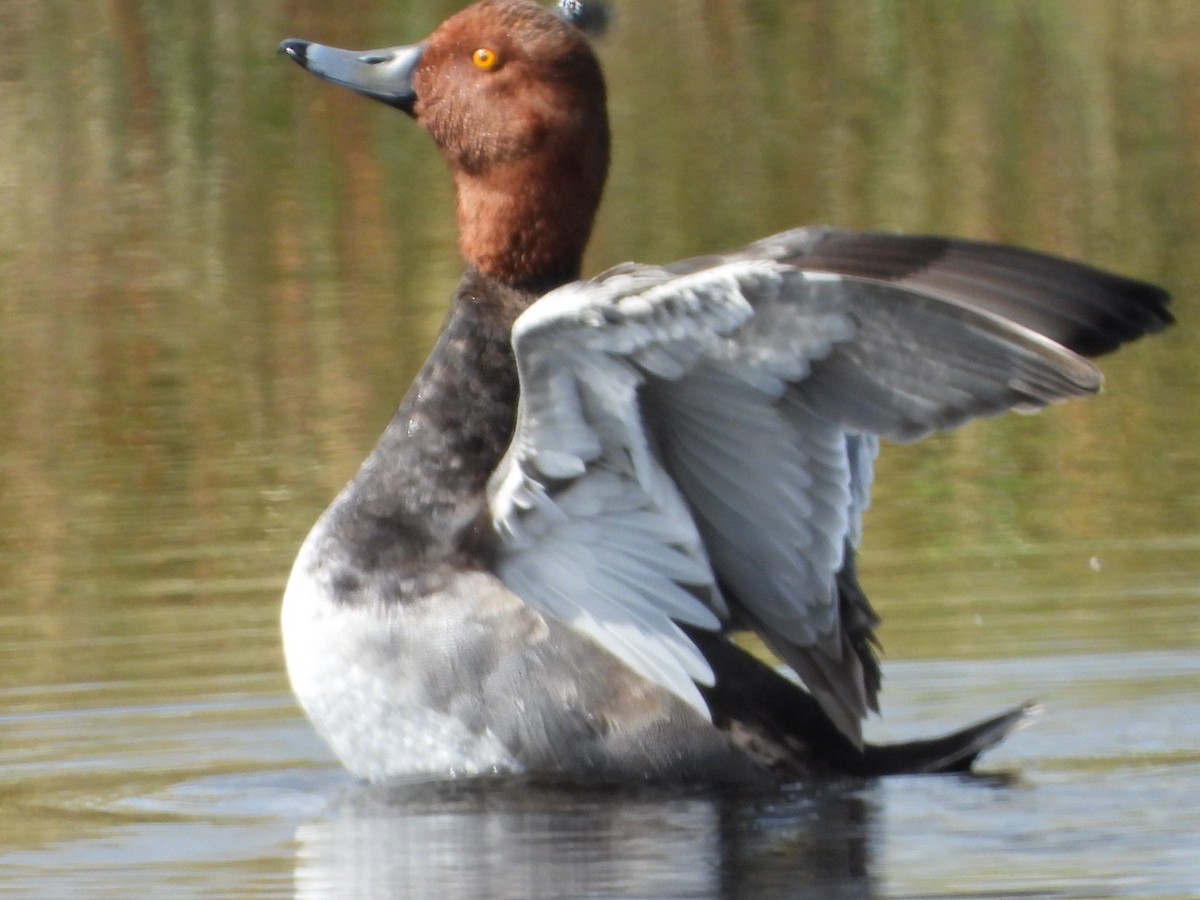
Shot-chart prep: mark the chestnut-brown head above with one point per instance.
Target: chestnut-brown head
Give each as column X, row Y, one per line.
column 514, row 98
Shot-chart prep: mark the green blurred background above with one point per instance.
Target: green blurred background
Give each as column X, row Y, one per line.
column 217, row 277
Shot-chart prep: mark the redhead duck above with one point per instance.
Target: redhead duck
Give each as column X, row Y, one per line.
column 591, row 484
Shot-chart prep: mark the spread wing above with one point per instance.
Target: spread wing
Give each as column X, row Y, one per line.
column 694, row 447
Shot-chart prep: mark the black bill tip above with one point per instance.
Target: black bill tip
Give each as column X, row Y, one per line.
column 296, row 49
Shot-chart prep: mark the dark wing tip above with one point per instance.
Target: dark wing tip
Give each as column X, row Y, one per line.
column 1082, row 308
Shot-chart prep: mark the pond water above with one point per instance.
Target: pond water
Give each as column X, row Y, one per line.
column 217, row 277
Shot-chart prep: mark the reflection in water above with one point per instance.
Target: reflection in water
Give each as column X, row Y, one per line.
column 529, row 840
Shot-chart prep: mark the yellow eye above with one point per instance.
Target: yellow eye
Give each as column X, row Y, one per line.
column 485, row 59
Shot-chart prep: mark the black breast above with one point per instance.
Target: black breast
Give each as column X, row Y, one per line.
column 416, row 512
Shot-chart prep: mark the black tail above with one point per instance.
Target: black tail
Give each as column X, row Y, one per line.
column 782, row 725
column 955, row 752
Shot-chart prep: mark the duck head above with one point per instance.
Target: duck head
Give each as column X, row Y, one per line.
column 514, row 98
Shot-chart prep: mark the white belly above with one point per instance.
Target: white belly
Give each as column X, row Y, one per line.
column 353, row 670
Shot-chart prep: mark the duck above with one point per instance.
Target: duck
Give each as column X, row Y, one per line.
column 595, row 486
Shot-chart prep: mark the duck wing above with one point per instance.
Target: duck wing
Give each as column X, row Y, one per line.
column 1080, row 307
column 592, row 528
column 694, row 447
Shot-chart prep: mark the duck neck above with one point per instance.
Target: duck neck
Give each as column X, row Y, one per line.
column 431, row 465
column 527, row 222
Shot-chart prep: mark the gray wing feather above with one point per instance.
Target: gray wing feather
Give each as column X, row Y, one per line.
column 694, row 445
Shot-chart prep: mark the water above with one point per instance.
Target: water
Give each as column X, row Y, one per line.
column 217, row 275
column 229, row 794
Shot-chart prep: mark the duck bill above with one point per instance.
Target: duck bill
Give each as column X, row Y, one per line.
column 383, row 75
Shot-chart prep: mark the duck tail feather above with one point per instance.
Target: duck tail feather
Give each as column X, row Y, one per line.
column 954, row 752
column 788, row 730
